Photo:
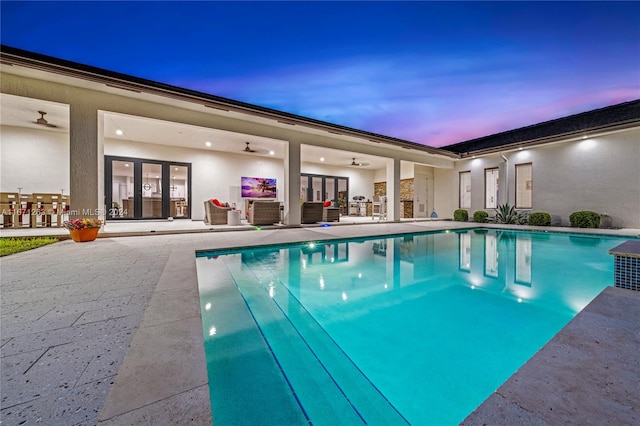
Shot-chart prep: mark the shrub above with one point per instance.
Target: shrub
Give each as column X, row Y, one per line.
column 461, row 215
column 509, row 215
column 480, row 216
column 585, row 219
column 540, row 219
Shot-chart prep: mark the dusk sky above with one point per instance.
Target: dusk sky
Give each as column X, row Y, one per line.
column 436, row 73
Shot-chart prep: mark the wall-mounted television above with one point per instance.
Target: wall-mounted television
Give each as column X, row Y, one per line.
column 254, row 187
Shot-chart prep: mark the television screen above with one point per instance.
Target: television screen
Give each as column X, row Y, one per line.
column 253, row 187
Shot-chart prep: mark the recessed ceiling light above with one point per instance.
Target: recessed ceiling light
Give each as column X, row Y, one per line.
column 321, row 158
column 207, row 143
column 175, row 169
column 271, row 153
column 126, row 165
column 119, row 132
column 520, row 149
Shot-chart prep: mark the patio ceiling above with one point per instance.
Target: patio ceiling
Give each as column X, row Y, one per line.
column 23, row 112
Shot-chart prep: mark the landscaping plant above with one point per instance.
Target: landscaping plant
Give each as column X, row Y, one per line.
column 507, row 214
column 585, row 219
column 461, row 215
column 480, row 216
column 540, row 219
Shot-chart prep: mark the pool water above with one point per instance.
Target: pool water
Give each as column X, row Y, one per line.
column 411, row 329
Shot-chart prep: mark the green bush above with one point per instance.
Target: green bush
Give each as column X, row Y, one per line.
column 540, row 219
column 461, row 215
column 585, row 219
column 480, row 216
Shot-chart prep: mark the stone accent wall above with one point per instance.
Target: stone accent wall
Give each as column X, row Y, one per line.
column 380, row 188
column 406, row 189
column 406, row 208
column 406, row 195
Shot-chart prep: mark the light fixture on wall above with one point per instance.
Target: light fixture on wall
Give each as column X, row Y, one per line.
column 146, row 185
column 173, row 185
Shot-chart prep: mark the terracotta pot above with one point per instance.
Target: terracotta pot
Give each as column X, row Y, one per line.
column 83, row 235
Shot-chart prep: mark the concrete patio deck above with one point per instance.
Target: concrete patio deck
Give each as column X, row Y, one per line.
column 110, row 333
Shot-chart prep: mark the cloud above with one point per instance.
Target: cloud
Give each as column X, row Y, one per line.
column 435, row 99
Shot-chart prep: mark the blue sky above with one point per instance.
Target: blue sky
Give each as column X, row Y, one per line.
column 431, row 72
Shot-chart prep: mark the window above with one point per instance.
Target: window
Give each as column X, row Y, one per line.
column 491, row 188
column 524, row 179
column 465, row 190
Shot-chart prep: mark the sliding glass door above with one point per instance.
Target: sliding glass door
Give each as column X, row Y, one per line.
column 146, row 189
column 324, row 188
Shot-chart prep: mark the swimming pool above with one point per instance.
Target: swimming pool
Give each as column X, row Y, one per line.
column 411, row 329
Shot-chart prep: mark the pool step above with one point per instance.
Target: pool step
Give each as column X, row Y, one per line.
column 325, row 381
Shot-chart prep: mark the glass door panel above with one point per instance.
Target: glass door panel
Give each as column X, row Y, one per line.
column 179, row 201
column 304, row 188
column 330, row 190
column 151, row 190
column 122, row 193
column 316, row 185
column 343, row 195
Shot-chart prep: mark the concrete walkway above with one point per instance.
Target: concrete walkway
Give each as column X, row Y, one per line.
column 109, row 332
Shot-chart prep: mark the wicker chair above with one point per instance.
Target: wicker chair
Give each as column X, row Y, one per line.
column 331, row 214
column 264, row 212
column 312, row 212
column 215, row 215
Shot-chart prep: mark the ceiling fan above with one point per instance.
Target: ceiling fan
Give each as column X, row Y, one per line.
column 41, row 121
column 353, row 163
column 250, row 150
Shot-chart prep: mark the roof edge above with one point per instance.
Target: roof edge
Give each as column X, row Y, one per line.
column 613, row 125
column 15, row 56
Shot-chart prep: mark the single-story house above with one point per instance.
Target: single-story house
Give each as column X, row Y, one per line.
column 126, row 148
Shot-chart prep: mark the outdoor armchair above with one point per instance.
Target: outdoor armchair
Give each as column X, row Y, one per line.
column 312, row 212
column 215, row 215
column 264, row 212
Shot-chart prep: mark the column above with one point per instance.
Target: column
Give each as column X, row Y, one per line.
column 292, row 209
column 393, row 190
column 84, row 145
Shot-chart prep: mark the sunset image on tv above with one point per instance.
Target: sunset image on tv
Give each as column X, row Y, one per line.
column 253, row 187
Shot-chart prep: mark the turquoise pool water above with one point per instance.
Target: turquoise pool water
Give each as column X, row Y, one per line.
column 412, row 329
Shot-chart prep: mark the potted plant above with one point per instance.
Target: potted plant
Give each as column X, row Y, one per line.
column 82, row 230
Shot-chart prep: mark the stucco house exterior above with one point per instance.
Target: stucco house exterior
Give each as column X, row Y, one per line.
column 125, row 148
column 587, row 161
